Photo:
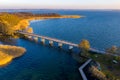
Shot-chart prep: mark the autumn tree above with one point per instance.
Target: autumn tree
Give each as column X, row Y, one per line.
column 29, row 30
column 7, row 21
column 84, row 46
column 5, row 28
column 23, row 24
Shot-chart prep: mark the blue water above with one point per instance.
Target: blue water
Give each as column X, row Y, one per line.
column 101, row 28
column 41, row 63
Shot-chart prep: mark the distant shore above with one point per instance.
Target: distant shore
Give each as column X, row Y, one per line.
column 62, row 16
column 26, row 22
column 59, row 17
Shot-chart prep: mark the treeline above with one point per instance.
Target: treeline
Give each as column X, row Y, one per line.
column 48, row 15
column 28, row 14
column 7, row 21
column 23, row 14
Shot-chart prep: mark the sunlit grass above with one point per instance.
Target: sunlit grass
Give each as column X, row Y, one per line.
column 5, row 58
column 8, row 53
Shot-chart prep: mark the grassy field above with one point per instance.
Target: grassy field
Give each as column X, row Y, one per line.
column 109, row 68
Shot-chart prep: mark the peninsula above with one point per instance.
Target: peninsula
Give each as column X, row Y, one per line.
column 8, row 53
column 11, row 22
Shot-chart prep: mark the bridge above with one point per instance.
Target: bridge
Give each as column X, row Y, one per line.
column 52, row 40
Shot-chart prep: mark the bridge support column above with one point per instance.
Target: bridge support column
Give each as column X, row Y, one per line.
column 43, row 41
column 35, row 38
column 70, row 47
column 60, row 45
column 30, row 37
column 51, row 43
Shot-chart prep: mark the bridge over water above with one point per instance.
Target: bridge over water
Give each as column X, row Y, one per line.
column 52, row 40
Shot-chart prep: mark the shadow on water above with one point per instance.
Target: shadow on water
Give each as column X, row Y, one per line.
column 74, row 53
column 7, row 40
column 32, row 72
column 5, row 64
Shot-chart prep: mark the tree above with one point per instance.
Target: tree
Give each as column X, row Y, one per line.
column 23, row 24
column 84, row 46
column 29, row 30
column 112, row 50
column 5, row 28
column 7, row 21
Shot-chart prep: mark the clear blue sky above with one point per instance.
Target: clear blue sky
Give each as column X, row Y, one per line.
column 60, row 4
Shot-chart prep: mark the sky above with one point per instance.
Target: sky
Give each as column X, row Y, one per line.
column 60, row 4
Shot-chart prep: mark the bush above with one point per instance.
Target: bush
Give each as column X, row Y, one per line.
column 96, row 73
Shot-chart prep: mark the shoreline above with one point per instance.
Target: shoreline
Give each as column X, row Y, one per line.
column 24, row 23
column 60, row 17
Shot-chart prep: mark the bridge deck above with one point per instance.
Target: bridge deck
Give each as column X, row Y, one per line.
column 59, row 41
column 51, row 39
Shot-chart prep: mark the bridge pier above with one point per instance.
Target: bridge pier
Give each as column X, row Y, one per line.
column 35, row 38
column 70, row 47
column 51, row 40
column 60, row 45
column 42, row 40
column 29, row 37
column 51, row 43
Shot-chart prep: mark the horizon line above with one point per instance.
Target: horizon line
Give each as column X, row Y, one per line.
column 52, row 9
